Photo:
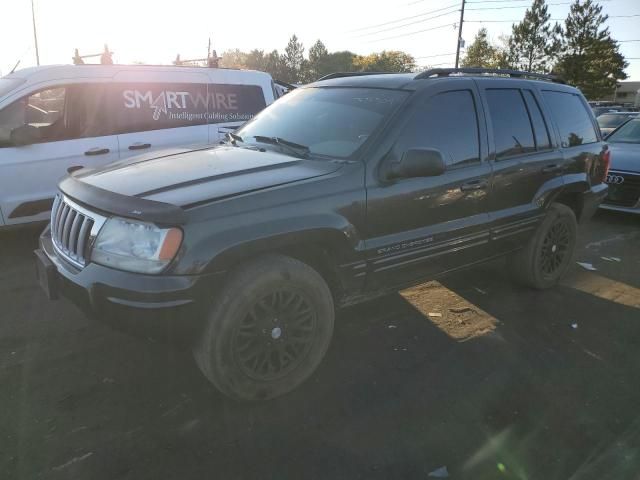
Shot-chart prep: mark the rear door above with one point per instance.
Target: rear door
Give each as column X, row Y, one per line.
column 74, row 132
column 155, row 110
column 419, row 227
column 578, row 133
column 526, row 161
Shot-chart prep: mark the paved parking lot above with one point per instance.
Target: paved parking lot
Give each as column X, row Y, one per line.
column 470, row 373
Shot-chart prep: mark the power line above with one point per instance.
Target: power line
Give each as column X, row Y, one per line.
column 413, row 33
column 552, row 19
column 438, row 55
column 405, row 24
column 404, row 18
column 516, row 6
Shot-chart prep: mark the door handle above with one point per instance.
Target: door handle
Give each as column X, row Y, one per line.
column 139, row 146
column 97, row 151
column 553, row 168
column 73, row 168
column 474, row 185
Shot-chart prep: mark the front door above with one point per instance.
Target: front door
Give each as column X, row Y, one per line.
column 68, row 129
column 419, row 227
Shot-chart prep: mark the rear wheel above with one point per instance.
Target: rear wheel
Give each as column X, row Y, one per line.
column 268, row 331
column 548, row 254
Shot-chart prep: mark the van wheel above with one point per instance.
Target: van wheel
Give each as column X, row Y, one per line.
column 268, row 330
column 549, row 253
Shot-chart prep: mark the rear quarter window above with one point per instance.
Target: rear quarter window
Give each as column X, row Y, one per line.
column 572, row 118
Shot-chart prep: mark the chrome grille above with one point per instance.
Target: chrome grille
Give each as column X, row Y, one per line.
column 73, row 229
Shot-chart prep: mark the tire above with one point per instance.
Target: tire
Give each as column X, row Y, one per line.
column 268, row 330
column 549, row 253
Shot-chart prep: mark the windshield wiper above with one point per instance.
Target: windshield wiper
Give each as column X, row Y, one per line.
column 233, row 137
column 295, row 148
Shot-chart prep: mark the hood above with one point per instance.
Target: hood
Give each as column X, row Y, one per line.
column 184, row 178
column 625, row 156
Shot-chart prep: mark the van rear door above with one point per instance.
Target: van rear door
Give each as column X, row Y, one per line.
column 153, row 110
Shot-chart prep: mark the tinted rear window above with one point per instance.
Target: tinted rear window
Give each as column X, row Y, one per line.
column 572, row 118
column 511, row 126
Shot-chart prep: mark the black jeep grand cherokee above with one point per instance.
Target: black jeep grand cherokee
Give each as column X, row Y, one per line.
column 351, row 187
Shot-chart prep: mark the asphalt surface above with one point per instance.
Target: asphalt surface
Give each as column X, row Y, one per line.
column 473, row 373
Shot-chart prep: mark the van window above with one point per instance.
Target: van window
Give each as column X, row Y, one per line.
column 60, row 113
column 447, row 122
column 572, row 118
column 512, row 131
column 141, row 107
column 537, row 120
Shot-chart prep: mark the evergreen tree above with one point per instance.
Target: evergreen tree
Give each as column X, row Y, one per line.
column 534, row 43
column 481, row 53
column 293, row 59
column 317, row 64
column 591, row 58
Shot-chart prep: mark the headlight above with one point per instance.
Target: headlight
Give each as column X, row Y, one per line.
column 135, row 246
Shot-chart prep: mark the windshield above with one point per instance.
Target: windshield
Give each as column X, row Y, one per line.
column 609, row 121
column 9, row 84
column 329, row 121
column 629, row 133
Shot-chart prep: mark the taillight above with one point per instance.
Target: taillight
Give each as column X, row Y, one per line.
column 605, row 163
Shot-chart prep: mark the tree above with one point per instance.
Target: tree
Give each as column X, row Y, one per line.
column 293, row 59
column 481, row 53
column 275, row 66
column 385, row 61
column 233, row 59
column 317, row 63
column 535, row 44
column 256, row 60
column 591, row 58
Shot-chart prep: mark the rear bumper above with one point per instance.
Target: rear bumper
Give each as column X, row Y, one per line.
column 140, row 304
column 592, row 199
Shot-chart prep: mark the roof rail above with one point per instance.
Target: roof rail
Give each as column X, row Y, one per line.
column 351, row 74
column 445, row 72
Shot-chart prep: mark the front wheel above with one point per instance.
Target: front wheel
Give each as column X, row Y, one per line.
column 548, row 254
column 268, row 331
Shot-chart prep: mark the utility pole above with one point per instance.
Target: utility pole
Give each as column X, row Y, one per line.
column 35, row 35
column 460, row 33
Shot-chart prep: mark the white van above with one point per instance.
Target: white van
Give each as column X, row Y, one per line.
column 56, row 119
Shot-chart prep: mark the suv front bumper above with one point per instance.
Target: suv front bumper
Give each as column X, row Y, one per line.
column 145, row 304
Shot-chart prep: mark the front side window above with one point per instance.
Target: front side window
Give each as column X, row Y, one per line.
column 54, row 114
column 329, row 121
column 447, row 122
column 512, row 131
column 43, row 110
column 572, row 118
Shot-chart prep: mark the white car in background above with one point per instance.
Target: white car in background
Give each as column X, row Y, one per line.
column 56, row 119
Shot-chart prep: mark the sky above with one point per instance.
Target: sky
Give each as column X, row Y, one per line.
column 155, row 32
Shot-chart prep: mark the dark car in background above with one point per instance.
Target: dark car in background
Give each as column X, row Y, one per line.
column 608, row 122
column 624, row 173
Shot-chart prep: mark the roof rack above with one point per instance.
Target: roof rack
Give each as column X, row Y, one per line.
column 351, row 74
column 445, row 72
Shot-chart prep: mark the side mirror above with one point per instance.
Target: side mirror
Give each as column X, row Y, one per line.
column 419, row 162
column 25, row 135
